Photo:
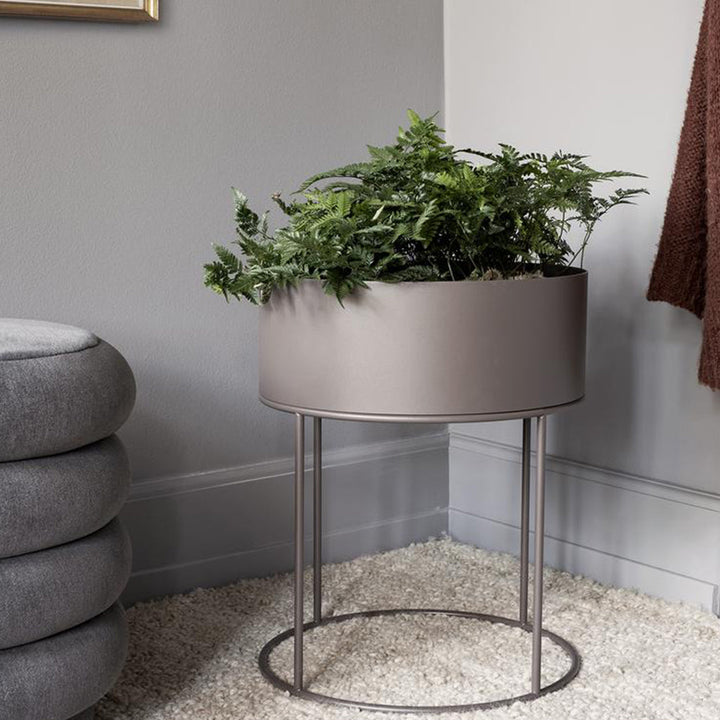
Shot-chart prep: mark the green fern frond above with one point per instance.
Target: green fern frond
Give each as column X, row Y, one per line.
column 419, row 210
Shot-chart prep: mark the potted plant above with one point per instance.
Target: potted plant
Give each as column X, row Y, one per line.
column 422, row 284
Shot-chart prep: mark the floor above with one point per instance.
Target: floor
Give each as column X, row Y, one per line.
column 194, row 656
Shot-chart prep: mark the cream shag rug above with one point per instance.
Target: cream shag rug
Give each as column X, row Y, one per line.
column 194, row 657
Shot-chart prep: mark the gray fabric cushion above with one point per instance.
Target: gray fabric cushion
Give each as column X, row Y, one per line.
column 53, row 500
column 21, row 339
column 46, row 592
column 61, row 676
column 55, row 403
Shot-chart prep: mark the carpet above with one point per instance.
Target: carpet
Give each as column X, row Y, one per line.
column 194, row 656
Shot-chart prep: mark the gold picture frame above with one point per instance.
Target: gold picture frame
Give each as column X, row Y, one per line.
column 108, row 10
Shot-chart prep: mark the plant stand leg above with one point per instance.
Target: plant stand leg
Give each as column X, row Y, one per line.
column 525, row 522
column 295, row 686
column 299, row 546
column 539, row 541
column 317, row 519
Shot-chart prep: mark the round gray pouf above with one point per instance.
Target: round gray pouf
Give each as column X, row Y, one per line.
column 46, row 592
column 52, row 500
column 63, row 675
column 64, row 557
column 62, row 388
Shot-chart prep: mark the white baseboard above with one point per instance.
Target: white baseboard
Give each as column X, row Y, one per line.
column 212, row 528
column 620, row 529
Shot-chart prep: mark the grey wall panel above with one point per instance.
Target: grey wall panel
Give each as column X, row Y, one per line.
column 118, row 148
column 646, row 429
column 644, row 412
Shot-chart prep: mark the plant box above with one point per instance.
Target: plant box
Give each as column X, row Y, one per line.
column 426, row 350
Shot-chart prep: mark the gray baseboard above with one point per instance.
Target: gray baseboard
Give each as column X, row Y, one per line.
column 622, row 530
column 213, row 528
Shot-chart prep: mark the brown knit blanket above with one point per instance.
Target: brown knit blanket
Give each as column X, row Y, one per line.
column 687, row 266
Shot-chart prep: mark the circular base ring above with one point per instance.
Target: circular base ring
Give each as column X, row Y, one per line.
column 277, row 681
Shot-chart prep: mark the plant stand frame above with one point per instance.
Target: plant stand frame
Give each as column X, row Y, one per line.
column 297, row 687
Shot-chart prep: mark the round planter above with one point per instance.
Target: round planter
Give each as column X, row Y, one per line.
column 427, row 350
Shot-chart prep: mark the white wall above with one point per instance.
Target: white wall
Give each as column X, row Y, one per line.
column 607, row 78
column 118, row 148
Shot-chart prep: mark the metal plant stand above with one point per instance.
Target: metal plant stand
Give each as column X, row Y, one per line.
column 534, row 627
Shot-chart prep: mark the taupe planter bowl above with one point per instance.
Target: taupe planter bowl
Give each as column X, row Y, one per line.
column 426, row 351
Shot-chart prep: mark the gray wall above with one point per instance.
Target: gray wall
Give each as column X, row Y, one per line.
column 118, row 148
column 606, row 78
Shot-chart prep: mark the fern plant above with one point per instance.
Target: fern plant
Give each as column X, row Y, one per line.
column 420, row 210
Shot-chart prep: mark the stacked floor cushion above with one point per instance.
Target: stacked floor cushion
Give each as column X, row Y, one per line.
column 64, row 557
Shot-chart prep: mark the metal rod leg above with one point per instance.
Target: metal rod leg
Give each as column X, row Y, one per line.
column 317, row 519
column 539, row 541
column 525, row 522
column 299, row 546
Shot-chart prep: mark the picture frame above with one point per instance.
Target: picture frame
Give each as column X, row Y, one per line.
column 136, row 11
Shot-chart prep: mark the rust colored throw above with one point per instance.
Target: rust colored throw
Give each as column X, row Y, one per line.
column 687, row 266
